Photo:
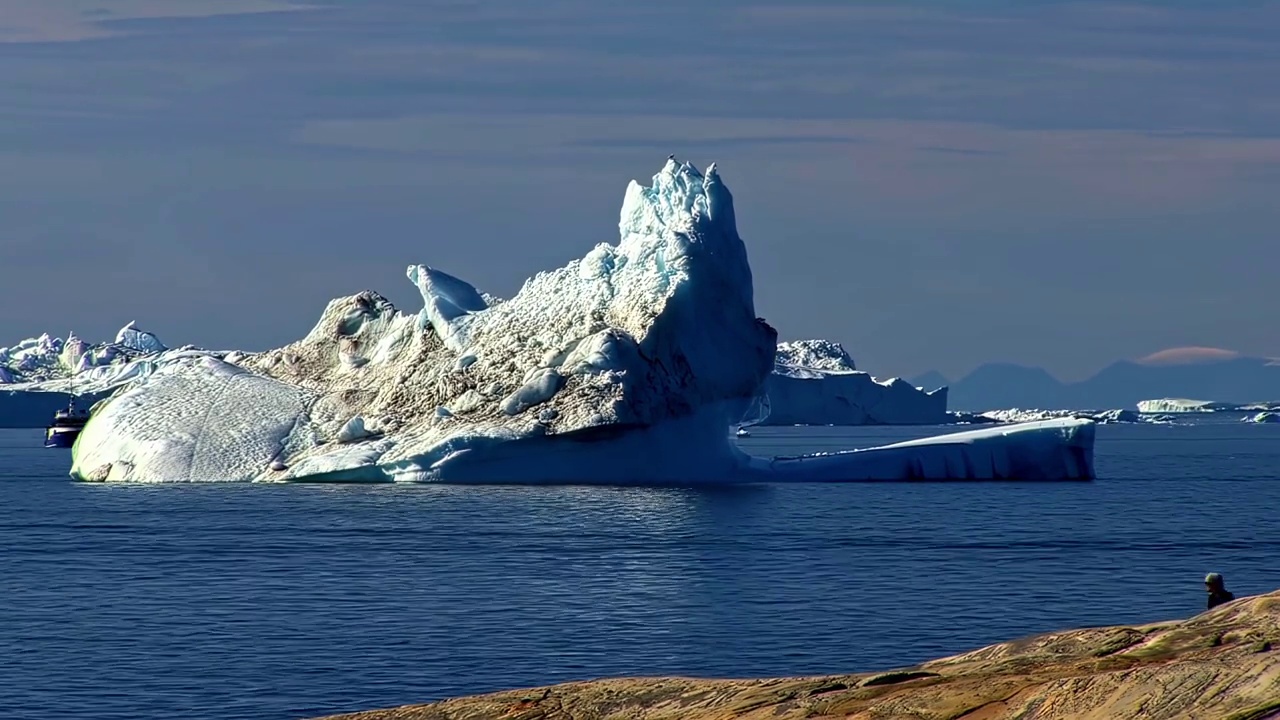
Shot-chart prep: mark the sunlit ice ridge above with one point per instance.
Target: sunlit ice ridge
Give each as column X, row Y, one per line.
column 627, row 366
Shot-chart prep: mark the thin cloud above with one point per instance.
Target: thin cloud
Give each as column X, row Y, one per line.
column 972, row 152
column 1188, row 356
column 712, row 143
column 1075, row 155
column 1101, row 171
column 54, row 21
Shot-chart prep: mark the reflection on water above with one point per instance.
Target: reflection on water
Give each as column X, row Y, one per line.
column 265, row 601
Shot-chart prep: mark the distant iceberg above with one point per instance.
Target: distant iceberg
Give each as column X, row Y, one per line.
column 1178, row 405
column 1184, row 405
column 50, row 363
column 1102, row 417
column 1264, row 418
column 139, row 341
column 815, row 382
column 39, row 375
column 626, row 366
column 814, row 354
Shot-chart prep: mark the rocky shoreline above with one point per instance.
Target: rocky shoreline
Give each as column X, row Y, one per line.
column 1223, row 664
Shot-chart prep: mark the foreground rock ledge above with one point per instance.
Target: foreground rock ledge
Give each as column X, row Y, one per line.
column 1224, row 664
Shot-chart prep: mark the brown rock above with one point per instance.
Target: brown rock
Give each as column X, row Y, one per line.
column 1215, row 665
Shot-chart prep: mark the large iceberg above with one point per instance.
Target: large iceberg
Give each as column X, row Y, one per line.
column 626, row 366
column 814, row 382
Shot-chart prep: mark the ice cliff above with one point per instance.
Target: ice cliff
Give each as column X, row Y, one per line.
column 814, row 382
column 625, row 366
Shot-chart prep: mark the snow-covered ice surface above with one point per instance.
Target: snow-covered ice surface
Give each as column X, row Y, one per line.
column 627, row 366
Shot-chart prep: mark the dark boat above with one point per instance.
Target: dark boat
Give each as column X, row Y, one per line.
column 66, row 426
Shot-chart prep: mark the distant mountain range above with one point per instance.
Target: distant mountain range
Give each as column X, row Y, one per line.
column 1195, row 373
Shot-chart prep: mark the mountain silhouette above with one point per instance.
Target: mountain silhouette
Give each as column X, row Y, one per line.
column 1224, row 378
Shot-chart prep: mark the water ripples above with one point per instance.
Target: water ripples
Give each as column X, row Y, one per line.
column 277, row 602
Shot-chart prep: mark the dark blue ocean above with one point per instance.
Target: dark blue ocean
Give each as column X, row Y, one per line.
column 247, row 601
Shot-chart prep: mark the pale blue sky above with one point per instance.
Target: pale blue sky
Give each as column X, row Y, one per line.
column 934, row 184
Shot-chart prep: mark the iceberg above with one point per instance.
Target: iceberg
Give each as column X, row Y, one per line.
column 814, row 354
column 815, row 382
column 34, row 358
column 139, row 341
column 50, row 363
column 1180, row 405
column 1183, row 405
column 1265, row 417
column 40, row 375
column 1050, row 449
column 623, row 367
column 1102, row 417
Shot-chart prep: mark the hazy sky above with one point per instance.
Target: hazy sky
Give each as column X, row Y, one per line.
column 934, row 184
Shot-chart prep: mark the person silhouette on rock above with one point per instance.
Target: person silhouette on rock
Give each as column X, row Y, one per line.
column 1217, row 589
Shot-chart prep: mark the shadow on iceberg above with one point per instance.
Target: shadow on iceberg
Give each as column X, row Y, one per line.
column 624, row 367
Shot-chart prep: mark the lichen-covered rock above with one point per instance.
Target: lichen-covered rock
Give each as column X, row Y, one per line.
column 1219, row 664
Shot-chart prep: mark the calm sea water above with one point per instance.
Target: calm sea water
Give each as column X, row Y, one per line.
column 242, row 601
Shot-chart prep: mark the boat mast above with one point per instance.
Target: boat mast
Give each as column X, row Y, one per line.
column 71, row 396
